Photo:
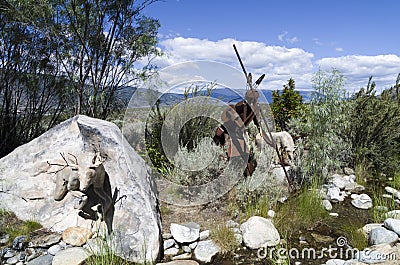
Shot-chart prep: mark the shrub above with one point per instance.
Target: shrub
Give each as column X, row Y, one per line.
column 326, row 125
column 375, row 131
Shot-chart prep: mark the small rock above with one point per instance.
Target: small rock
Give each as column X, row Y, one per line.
column 45, row 240
column 338, row 181
column 182, row 256
column 71, row 256
column 381, row 235
column 204, row 235
column 354, row 187
column 395, row 214
column 169, row 243
column 334, row 214
column 363, row 201
column 185, row 233
column 271, row 213
column 167, row 236
column 171, row 251
column 186, row 249
column 206, row 250
column 392, row 225
column 19, row 242
column 53, row 250
column 239, row 238
column 259, row 232
column 368, row 228
column 76, row 236
column 393, row 191
column 380, row 208
column 12, row 260
column 7, row 253
column 333, row 194
column 387, row 196
column 231, row 224
column 193, row 245
column 327, row 205
column 4, row 239
column 321, row 238
column 349, row 171
column 42, row 260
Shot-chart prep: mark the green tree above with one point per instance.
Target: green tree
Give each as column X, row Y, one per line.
column 375, row 131
column 97, row 44
column 286, row 105
column 65, row 57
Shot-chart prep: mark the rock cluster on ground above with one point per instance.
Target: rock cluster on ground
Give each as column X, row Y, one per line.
column 187, row 241
column 384, row 245
column 49, row 248
column 31, row 190
column 340, row 187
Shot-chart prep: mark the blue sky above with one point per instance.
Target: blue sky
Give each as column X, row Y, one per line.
column 285, row 38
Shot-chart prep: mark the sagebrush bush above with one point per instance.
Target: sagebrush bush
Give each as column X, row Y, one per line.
column 326, row 126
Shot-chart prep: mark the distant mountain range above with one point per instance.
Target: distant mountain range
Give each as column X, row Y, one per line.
column 225, row 95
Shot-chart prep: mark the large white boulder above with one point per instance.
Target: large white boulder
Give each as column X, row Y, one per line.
column 27, row 185
column 259, row 232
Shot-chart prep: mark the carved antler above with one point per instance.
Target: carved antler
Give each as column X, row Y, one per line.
column 74, row 166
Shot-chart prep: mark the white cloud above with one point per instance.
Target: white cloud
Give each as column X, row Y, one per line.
column 339, row 49
column 284, row 37
column 358, row 68
column 278, row 63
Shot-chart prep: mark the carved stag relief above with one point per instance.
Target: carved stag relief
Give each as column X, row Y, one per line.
column 89, row 184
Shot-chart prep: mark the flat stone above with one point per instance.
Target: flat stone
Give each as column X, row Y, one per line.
column 185, row 233
column 393, row 191
column 76, row 236
column 45, row 240
column 53, row 250
column 12, row 260
column 171, row 251
column 71, row 256
column 42, row 260
column 363, row 201
column 167, row 236
column 381, row 235
column 206, row 250
column 354, row 187
column 395, row 214
column 182, row 256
